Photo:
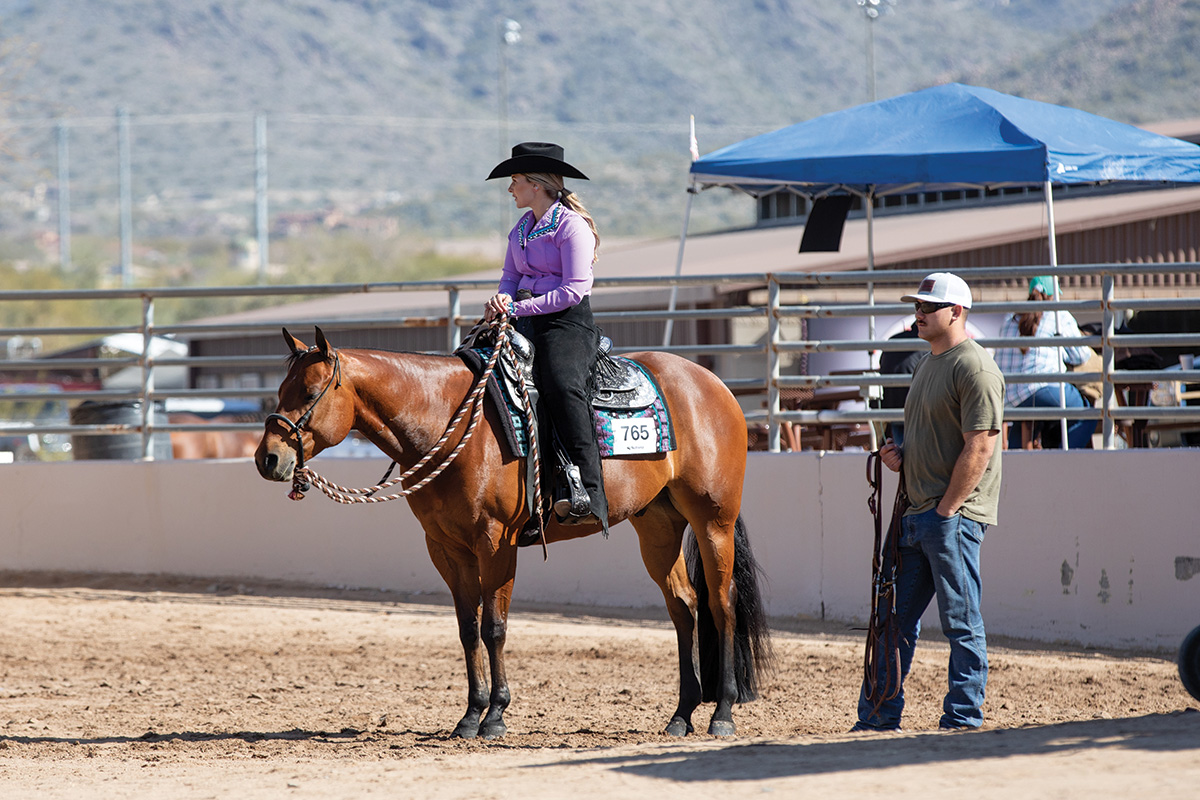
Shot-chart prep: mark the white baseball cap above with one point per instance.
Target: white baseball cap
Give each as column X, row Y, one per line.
column 941, row 287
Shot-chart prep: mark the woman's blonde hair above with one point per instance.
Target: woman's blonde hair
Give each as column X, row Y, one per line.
column 553, row 185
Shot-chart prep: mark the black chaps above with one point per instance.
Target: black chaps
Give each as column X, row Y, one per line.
column 565, row 352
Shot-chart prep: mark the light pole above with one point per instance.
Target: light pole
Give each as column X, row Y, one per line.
column 873, row 9
column 126, row 197
column 510, row 34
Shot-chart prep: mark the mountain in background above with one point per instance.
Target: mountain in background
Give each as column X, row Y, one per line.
column 397, row 108
column 1140, row 64
column 743, row 62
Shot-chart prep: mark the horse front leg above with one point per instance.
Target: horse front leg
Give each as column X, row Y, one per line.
column 477, row 695
column 494, row 629
column 497, row 571
column 458, row 571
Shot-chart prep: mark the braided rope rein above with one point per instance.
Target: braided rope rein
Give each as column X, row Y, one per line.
column 534, row 453
column 349, row 496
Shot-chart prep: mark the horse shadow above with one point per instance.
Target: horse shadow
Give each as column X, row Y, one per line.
column 1155, row 733
column 342, row 736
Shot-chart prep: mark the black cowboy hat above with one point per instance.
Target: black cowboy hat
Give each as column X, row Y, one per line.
column 536, row 157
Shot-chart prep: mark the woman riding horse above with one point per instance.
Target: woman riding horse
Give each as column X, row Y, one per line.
column 548, row 269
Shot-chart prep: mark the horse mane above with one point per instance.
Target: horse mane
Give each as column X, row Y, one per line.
column 291, row 359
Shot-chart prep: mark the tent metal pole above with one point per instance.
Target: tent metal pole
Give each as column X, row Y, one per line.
column 687, row 215
column 869, row 200
column 1108, row 396
column 1062, row 387
column 773, row 366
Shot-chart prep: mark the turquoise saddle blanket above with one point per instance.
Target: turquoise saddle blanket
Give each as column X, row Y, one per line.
column 621, row 429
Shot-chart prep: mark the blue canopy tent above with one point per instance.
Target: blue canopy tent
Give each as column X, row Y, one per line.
column 946, row 137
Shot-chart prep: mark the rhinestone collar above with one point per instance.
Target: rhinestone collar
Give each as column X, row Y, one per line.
column 523, row 234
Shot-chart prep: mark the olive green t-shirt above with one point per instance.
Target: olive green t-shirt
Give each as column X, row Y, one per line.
column 959, row 390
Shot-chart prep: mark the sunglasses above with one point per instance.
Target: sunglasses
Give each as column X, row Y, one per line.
column 929, row 308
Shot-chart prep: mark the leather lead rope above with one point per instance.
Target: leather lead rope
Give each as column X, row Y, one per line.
column 883, row 631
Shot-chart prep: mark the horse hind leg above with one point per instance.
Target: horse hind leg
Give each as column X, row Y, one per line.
column 660, row 535
column 714, row 633
column 733, row 637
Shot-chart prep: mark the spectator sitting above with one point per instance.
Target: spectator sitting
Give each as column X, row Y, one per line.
column 1157, row 321
column 1033, row 360
column 1092, row 391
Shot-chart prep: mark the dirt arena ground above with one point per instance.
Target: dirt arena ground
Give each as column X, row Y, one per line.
column 148, row 687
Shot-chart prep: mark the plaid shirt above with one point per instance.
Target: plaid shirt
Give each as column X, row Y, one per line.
column 1038, row 359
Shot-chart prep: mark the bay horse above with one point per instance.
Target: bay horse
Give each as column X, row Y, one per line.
column 473, row 512
column 211, row 443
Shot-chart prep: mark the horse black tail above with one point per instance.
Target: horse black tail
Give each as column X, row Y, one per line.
column 752, row 638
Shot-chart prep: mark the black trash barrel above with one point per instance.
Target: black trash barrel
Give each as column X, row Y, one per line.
column 126, row 446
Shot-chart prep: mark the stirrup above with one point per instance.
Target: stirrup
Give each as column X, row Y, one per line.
column 576, row 503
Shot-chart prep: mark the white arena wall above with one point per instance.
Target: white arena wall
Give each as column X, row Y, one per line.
column 1093, row 548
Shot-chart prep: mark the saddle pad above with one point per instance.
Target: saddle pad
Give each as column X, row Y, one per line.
column 634, row 431
column 511, row 416
column 618, row 433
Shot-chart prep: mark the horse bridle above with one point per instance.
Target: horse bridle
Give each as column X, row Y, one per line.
column 297, row 426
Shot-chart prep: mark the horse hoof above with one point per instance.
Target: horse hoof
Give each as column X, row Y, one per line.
column 721, row 727
column 678, row 726
column 465, row 730
column 492, row 730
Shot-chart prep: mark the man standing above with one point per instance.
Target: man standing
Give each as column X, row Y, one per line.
column 953, row 416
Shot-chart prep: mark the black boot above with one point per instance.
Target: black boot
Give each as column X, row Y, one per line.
column 597, row 510
column 531, row 534
column 571, row 499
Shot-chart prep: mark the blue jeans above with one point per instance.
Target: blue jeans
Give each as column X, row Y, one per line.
column 938, row 556
column 1079, row 431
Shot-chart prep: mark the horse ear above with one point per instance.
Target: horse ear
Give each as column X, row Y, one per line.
column 295, row 344
column 322, row 344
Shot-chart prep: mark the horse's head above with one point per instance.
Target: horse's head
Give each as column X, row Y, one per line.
column 315, row 410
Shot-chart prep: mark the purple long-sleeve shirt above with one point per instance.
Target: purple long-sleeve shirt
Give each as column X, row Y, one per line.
column 552, row 258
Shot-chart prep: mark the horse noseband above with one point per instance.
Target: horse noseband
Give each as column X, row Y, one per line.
column 296, row 427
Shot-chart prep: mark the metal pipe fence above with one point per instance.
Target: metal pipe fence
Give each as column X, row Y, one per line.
column 773, row 348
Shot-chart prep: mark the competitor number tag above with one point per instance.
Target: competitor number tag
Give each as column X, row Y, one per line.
column 634, row 436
